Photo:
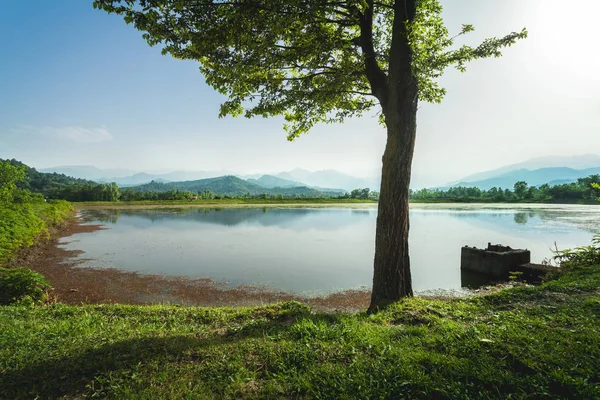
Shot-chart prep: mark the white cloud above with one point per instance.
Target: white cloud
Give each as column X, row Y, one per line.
column 73, row 133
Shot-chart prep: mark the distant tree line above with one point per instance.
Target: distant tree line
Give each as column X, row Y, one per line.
column 111, row 192
column 363, row 194
column 583, row 190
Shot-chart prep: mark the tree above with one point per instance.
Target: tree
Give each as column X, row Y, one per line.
column 10, row 175
column 597, row 187
column 520, row 189
column 323, row 61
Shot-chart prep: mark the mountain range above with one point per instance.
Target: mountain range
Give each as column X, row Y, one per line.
column 327, row 180
column 537, row 171
column 230, row 185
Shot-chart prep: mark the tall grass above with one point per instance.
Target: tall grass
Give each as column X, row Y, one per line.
column 22, row 223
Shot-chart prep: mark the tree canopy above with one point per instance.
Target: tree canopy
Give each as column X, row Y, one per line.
column 10, row 175
column 312, row 61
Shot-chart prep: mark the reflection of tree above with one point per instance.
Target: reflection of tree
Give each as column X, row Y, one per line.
column 105, row 216
column 582, row 218
column 296, row 218
column 521, row 218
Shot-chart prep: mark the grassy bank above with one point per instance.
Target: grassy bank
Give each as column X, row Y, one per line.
column 527, row 342
column 22, row 224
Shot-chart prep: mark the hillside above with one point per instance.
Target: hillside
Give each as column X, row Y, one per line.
column 230, row 186
column 270, row 182
column 46, row 183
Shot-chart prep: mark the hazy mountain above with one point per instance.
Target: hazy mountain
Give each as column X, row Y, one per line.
column 328, row 178
column 125, row 177
column 581, row 162
column 135, row 179
column 294, row 178
column 270, row 181
column 229, row 185
column 533, row 178
column 179, row 176
column 88, row 172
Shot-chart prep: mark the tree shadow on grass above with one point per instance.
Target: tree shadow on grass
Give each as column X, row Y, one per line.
column 69, row 376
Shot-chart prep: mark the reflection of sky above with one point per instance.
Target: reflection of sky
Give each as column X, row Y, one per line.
column 287, row 218
column 309, row 249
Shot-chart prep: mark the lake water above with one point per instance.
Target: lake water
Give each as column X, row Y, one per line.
column 311, row 250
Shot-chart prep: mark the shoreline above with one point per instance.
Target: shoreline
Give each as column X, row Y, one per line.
column 112, row 206
column 75, row 286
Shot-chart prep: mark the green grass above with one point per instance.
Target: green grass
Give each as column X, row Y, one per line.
column 22, row 224
column 220, row 202
column 526, row 342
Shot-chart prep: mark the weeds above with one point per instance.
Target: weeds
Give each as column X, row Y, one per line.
column 23, row 286
column 579, row 256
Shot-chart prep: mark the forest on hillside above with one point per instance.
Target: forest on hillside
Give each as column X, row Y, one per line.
column 583, row 190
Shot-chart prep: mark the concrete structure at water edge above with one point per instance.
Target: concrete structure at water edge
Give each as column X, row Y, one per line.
column 496, row 262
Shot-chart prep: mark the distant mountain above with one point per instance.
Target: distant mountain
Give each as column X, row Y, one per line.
column 328, row 178
column 88, row 172
column 230, row 186
column 125, row 177
column 133, row 180
column 270, row 181
column 581, row 162
column 533, row 178
column 320, row 180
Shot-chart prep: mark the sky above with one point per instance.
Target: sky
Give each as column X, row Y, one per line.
column 81, row 87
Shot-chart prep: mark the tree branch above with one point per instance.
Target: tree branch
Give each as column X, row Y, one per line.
column 377, row 78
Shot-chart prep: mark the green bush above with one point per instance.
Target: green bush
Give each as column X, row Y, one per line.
column 19, row 226
column 18, row 285
column 583, row 256
column 22, row 224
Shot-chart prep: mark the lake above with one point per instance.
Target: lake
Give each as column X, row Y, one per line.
column 315, row 250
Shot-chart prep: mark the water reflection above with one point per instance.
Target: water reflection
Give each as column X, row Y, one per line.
column 317, row 249
column 292, row 218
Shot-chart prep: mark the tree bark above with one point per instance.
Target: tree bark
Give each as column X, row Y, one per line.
column 391, row 277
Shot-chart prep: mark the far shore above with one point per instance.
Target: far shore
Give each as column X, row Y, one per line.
column 225, row 204
column 309, row 203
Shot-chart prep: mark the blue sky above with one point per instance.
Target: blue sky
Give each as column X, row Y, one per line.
column 80, row 87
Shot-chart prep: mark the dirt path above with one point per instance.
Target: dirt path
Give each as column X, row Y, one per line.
column 73, row 285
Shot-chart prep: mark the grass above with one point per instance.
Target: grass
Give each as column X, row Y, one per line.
column 526, row 342
column 22, row 224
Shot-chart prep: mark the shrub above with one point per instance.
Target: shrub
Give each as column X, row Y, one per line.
column 18, row 285
column 580, row 256
column 19, row 226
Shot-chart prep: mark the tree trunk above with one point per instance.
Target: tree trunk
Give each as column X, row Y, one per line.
column 391, row 278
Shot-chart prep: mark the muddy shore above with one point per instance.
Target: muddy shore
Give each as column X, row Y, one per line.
column 74, row 285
